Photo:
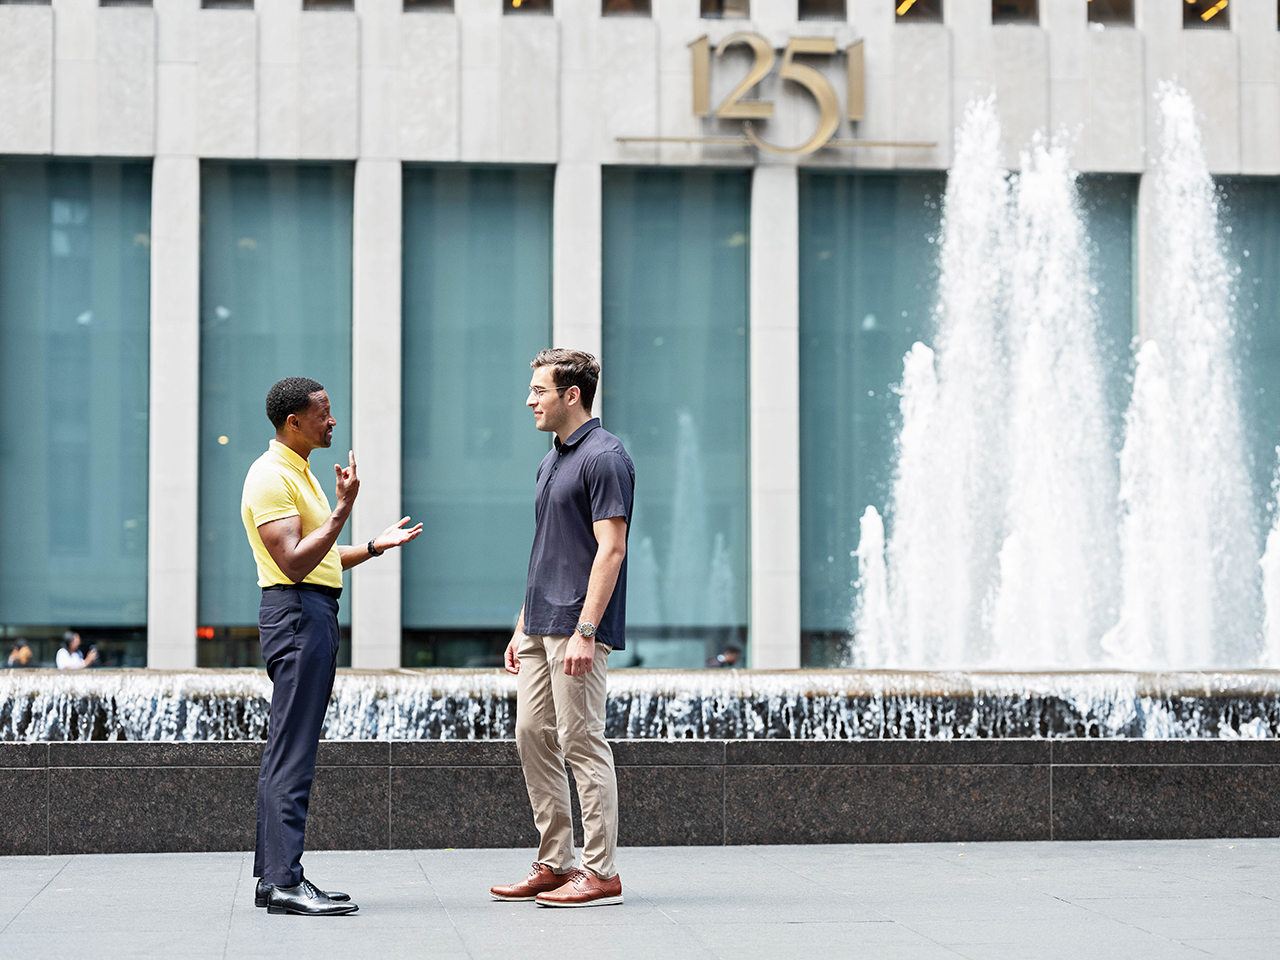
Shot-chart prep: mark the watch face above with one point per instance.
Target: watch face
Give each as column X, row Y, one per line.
column 587, row 629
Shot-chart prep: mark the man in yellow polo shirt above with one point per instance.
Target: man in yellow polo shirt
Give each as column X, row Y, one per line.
column 294, row 538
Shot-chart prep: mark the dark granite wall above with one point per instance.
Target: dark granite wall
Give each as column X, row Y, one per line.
column 110, row 797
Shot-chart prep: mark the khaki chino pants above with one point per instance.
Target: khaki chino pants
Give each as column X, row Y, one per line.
column 561, row 718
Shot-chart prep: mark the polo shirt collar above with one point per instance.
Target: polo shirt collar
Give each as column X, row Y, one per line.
column 288, row 456
column 576, row 437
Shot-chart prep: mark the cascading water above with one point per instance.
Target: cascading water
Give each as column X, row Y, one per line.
column 1014, row 542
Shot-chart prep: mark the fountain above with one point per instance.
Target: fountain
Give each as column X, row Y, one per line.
column 1016, row 547
column 1015, row 543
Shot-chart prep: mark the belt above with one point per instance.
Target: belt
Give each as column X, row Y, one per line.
column 334, row 592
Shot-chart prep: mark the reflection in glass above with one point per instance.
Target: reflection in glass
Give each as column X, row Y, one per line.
column 275, row 301
column 1206, row 14
column 477, row 308
column 1015, row 11
column 75, row 253
column 726, row 9
column 625, row 8
column 675, row 390
column 1251, row 209
column 534, row 7
column 1111, row 11
column 924, row 11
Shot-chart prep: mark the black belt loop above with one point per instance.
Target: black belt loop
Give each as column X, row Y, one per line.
column 335, row 592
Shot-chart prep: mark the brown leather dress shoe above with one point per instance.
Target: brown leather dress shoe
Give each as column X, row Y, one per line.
column 540, row 879
column 584, row 889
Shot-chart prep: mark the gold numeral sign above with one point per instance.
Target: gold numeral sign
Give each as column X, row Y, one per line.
column 737, row 106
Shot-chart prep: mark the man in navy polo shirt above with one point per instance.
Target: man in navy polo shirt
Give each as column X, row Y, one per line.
column 574, row 614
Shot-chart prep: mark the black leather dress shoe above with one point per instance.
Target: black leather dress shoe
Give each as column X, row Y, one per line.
column 307, row 901
column 264, row 888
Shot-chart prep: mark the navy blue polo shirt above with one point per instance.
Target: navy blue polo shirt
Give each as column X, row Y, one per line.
column 587, row 478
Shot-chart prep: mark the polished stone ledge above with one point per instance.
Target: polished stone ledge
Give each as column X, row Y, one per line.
column 134, row 797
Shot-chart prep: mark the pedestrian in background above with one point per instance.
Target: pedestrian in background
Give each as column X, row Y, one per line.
column 20, row 655
column 69, row 656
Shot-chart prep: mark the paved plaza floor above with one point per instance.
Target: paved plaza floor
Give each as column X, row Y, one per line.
column 1131, row 900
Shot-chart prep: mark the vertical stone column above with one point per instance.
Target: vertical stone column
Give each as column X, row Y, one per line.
column 576, row 258
column 173, row 508
column 375, row 336
column 775, row 418
column 576, row 227
column 375, row 408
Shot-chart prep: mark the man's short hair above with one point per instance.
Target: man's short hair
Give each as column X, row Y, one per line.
column 289, row 396
column 571, row 368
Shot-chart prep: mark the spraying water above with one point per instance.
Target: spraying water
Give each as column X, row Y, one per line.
column 950, row 484
column 1014, row 542
column 1187, row 533
column 1059, row 558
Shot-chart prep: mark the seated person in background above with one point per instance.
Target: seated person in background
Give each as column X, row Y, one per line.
column 20, row 655
column 729, row 658
column 70, row 657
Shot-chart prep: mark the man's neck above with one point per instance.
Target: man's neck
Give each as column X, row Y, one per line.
column 295, row 444
column 570, row 428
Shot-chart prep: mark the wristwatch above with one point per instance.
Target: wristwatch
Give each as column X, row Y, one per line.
column 373, row 551
column 588, row 630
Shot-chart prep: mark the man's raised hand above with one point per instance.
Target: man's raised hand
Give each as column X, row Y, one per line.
column 348, row 483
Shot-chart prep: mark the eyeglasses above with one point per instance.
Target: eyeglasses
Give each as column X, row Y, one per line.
column 539, row 391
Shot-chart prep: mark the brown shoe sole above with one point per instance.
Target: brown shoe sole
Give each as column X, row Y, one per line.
column 595, row 902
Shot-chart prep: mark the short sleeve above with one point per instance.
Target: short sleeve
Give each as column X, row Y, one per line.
column 268, row 497
column 610, row 484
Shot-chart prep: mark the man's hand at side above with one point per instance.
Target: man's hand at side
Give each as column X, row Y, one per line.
column 511, row 658
column 579, row 655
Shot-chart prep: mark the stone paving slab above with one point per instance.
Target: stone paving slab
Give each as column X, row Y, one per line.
column 1132, row 899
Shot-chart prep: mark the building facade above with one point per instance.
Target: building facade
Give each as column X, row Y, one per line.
column 733, row 206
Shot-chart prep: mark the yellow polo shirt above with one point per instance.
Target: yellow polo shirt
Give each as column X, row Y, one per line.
column 279, row 485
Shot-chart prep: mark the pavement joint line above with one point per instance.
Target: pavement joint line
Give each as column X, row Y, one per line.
column 55, row 876
column 432, row 887
column 226, row 943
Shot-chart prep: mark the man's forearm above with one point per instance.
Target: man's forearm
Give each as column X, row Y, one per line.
column 604, row 577
column 314, row 547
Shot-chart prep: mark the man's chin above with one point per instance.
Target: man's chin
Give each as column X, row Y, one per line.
column 328, row 442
